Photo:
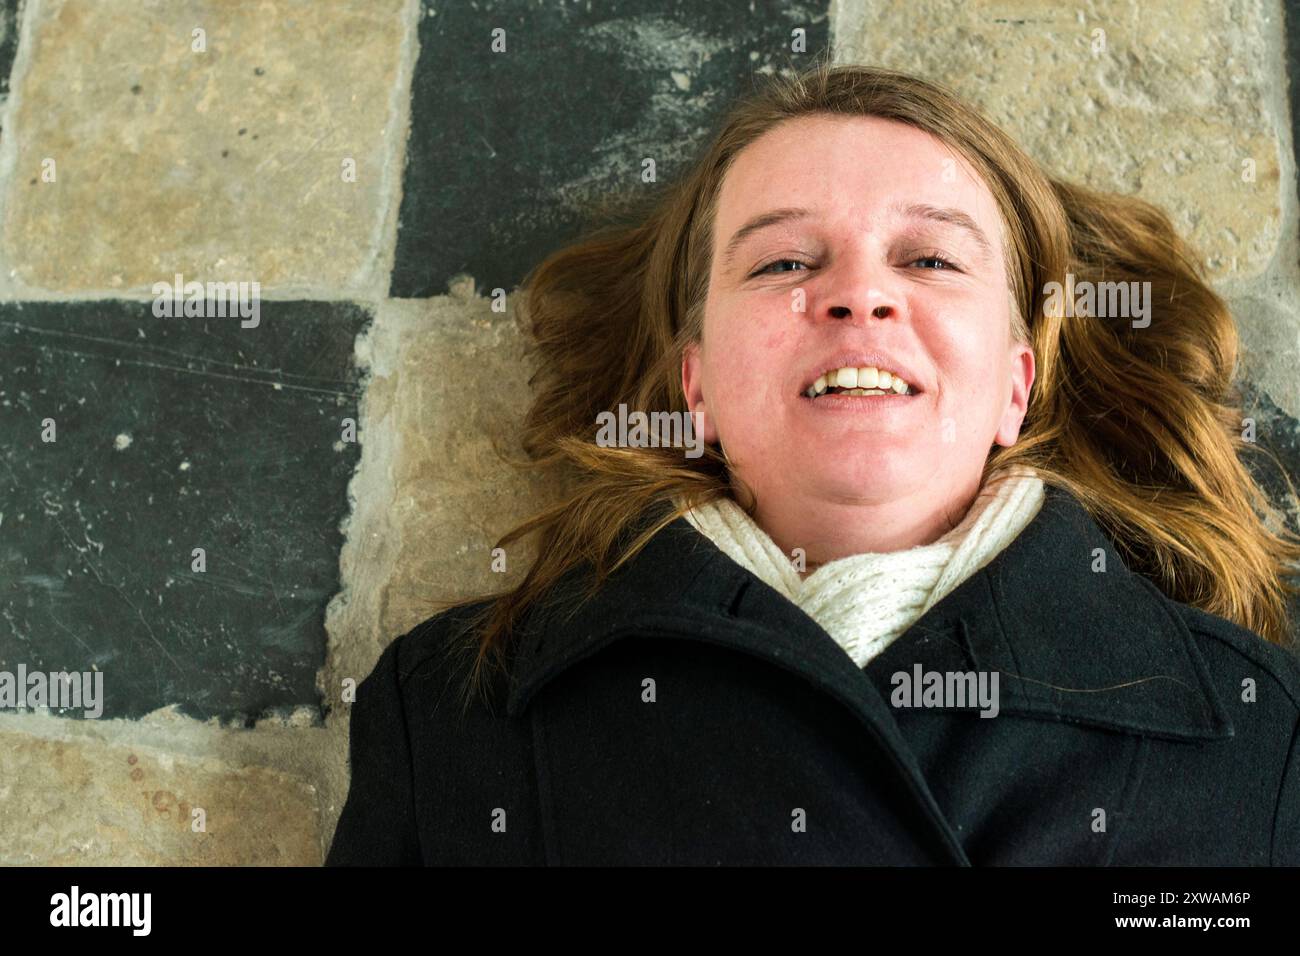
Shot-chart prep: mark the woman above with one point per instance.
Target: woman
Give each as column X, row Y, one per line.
column 970, row 577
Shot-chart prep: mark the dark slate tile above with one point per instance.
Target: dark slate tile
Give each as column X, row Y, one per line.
column 506, row 148
column 174, row 434
column 11, row 18
column 1278, row 436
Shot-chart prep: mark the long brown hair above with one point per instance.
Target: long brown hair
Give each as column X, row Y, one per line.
column 1143, row 425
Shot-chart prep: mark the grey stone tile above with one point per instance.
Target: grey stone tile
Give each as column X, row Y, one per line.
column 507, row 149
column 174, row 434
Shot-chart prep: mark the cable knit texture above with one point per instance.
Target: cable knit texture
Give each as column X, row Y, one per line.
column 865, row 601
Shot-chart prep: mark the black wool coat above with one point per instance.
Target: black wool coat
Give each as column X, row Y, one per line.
column 690, row 714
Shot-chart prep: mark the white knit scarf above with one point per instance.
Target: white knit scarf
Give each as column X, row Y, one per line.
column 864, row 601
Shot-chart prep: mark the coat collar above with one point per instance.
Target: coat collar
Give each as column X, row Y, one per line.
column 1100, row 648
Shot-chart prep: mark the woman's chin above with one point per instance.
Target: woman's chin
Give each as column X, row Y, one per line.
column 867, row 478
column 866, row 453
column 867, row 489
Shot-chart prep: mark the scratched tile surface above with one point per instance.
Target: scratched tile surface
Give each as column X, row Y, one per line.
column 173, row 434
column 507, row 147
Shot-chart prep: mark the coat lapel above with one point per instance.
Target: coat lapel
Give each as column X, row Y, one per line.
column 681, row 586
column 1070, row 644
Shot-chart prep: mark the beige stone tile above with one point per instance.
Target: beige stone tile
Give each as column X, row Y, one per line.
column 91, row 802
column 153, row 175
column 1167, row 109
column 447, row 388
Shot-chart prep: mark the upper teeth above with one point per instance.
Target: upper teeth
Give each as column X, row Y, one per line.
column 848, row 377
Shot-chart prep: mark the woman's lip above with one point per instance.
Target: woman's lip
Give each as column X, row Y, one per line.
column 863, row 402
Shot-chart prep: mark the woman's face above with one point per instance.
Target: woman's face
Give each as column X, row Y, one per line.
column 853, row 281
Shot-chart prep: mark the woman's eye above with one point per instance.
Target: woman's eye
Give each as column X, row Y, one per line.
column 943, row 263
column 936, row 262
column 778, row 262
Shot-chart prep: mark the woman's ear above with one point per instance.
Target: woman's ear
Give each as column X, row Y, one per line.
column 693, row 388
column 1022, row 379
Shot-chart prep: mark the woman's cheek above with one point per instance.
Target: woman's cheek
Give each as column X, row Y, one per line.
column 729, row 410
column 778, row 336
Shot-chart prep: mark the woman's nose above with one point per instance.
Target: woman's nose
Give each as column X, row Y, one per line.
column 864, row 286
column 882, row 311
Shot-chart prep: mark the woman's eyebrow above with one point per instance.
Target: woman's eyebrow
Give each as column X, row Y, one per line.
column 761, row 221
column 941, row 214
column 944, row 214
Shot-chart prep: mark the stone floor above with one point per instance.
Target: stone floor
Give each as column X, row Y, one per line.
column 234, row 517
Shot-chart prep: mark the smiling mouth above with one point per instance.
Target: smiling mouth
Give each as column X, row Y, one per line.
column 858, row 381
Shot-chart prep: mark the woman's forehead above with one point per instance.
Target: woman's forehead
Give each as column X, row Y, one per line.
column 861, row 167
